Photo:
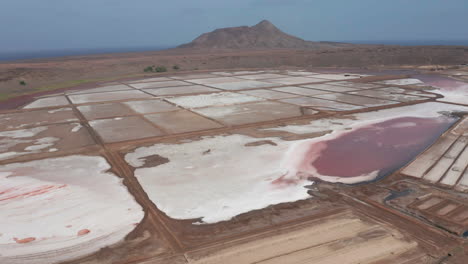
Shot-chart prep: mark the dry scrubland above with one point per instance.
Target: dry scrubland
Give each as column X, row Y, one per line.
column 49, row 74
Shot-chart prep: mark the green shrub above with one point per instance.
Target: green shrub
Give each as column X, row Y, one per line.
column 160, row 69
column 155, row 69
column 22, row 83
column 175, row 67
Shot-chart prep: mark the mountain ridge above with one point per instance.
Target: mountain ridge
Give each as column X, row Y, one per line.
column 264, row 35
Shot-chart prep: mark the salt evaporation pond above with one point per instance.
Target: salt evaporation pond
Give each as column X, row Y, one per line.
column 378, row 148
column 365, row 153
column 59, row 209
column 454, row 91
column 253, row 177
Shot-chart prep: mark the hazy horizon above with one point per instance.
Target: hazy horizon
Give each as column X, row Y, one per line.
column 59, row 25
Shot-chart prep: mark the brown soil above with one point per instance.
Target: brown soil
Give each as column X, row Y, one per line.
column 154, row 160
column 43, row 75
column 259, row 143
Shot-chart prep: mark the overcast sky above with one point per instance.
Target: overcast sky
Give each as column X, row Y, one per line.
column 71, row 24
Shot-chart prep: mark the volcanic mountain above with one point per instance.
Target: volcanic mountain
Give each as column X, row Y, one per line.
column 264, row 35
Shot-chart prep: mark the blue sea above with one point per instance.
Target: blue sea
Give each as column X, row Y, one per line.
column 412, row 42
column 39, row 54
column 24, row 55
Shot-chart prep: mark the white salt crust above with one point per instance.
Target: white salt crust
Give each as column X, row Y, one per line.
column 217, row 178
column 52, row 200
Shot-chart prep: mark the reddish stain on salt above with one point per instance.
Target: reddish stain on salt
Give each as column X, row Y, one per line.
column 382, row 147
column 8, row 191
column 83, row 232
column 24, row 240
column 36, row 191
column 285, row 180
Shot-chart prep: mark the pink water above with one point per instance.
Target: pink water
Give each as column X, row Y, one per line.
column 383, row 147
column 443, row 83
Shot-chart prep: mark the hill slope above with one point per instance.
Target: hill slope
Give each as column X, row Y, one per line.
column 263, row 35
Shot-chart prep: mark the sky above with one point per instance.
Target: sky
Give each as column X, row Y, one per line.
column 29, row 25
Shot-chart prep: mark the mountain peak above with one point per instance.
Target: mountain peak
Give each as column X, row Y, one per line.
column 262, row 35
column 265, row 23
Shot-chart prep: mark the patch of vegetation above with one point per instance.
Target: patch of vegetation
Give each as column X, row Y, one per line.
column 66, row 84
column 4, row 96
column 176, row 67
column 160, row 69
column 155, row 69
column 22, row 83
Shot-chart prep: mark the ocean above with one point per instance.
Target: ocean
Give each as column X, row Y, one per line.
column 412, row 42
column 39, row 54
column 24, row 55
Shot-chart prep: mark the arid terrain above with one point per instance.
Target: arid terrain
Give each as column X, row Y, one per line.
column 330, row 154
column 262, row 46
column 47, row 74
